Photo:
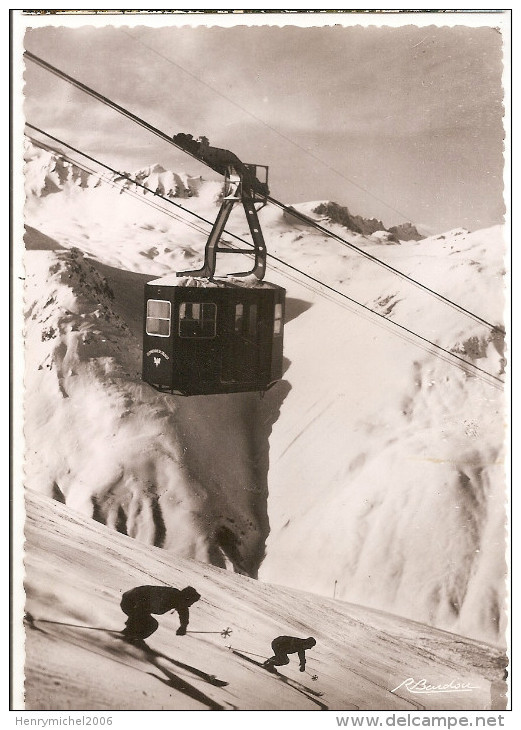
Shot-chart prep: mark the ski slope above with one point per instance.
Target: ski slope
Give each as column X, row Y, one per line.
column 77, row 570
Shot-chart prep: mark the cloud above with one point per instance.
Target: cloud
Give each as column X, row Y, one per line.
column 397, row 111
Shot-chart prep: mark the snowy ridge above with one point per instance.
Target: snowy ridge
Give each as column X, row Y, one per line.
column 161, row 181
column 77, row 570
column 47, row 173
column 374, row 470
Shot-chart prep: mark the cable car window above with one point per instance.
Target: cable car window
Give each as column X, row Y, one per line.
column 252, row 322
column 239, row 318
column 197, row 319
column 158, row 318
column 277, row 321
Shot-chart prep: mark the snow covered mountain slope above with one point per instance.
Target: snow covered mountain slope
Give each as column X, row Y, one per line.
column 183, row 474
column 77, row 570
column 373, row 471
column 394, row 455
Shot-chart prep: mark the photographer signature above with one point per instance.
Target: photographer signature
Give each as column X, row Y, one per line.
column 421, row 686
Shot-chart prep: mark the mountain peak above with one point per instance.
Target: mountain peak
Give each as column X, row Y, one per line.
column 366, row 226
column 154, row 169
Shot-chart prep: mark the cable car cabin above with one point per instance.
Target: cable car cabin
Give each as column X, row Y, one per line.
column 204, row 334
column 214, row 337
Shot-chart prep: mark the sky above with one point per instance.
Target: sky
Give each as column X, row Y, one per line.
column 398, row 123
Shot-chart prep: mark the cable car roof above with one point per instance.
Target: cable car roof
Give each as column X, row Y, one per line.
column 246, row 282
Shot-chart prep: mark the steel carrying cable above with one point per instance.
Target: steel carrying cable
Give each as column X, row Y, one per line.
column 261, row 121
column 309, row 221
column 321, row 284
column 124, row 176
column 331, row 234
column 114, row 183
column 303, row 217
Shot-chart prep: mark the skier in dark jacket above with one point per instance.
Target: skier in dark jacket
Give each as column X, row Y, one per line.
column 139, row 603
column 284, row 645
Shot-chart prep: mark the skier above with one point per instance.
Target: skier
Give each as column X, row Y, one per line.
column 140, row 602
column 284, row 645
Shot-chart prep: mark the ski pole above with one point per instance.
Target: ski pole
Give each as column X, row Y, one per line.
column 313, row 676
column 243, row 651
column 224, row 632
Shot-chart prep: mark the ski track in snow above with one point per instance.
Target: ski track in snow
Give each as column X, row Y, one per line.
column 373, row 464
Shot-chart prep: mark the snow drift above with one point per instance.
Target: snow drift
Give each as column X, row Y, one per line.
column 372, row 472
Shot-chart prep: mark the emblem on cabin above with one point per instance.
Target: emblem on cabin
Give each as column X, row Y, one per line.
column 157, row 360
